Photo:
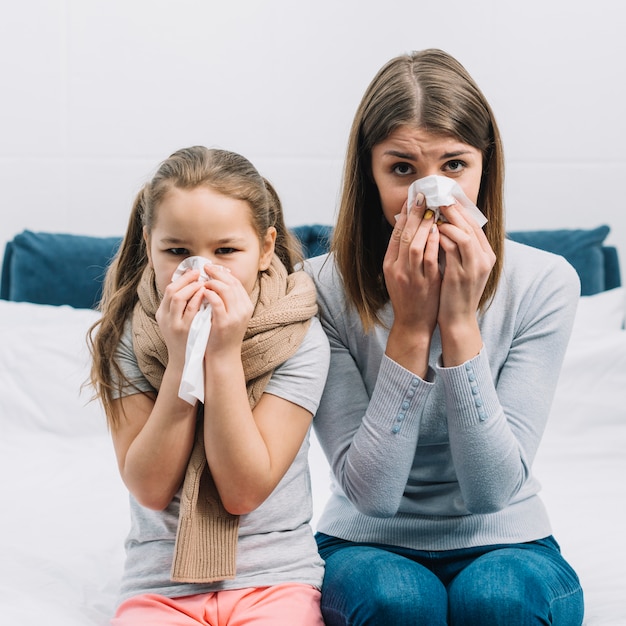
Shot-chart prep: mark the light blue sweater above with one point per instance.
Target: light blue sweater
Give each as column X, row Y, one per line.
column 444, row 463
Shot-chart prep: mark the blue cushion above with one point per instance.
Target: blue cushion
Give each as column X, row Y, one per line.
column 50, row 268
column 315, row 238
column 581, row 247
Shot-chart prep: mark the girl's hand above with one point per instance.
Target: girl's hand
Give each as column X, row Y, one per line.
column 468, row 263
column 181, row 301
column 232, row 310
column 413, row 282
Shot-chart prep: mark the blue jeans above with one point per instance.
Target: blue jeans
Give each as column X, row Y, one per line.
column 506, row 585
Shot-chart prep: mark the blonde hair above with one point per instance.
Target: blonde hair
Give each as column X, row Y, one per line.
column 430, row 90
column 226, row 172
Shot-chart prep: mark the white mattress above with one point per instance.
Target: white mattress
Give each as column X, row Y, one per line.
column 65, row 512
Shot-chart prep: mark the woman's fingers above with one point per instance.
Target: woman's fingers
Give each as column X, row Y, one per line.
column 409, row 235
column 393, row 247
column 462, row 237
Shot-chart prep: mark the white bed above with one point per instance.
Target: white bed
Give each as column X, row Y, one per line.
column 64, row 509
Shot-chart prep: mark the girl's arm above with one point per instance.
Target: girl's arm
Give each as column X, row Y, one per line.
column 248, row 451
column 153, row 442
column 155, row 435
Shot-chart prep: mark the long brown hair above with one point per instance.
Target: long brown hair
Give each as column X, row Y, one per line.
column 226, row 172
column 430, row 90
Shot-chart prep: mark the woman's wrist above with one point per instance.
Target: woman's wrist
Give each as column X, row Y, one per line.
column 410, row 348
column 460, row 342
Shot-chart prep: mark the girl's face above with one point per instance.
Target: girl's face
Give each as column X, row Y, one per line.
column 410, row 153
column 203, row 222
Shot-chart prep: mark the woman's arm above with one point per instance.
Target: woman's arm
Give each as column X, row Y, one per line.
column 493, row 442
column 497, row 414
column 369, row 417
column 413, row 282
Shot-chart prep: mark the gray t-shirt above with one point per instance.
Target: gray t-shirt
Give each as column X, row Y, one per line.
column 276, row 543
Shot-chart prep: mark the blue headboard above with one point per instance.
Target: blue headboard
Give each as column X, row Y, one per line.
column 52, row 268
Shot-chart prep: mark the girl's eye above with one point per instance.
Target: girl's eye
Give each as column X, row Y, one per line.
column 455, row 166
column 403, row 169
column 225, row 251
column 178, row 251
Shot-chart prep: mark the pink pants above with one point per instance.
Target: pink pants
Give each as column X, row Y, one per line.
column 279, row 605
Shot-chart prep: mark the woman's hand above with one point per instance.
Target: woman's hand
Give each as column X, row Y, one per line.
column 181, row 301
column 468, row 263
column 413, row 282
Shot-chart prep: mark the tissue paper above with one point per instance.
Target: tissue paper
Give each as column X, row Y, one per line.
column 192, row 382
column 442, row 191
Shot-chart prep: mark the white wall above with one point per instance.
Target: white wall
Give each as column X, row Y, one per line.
column 96, row 93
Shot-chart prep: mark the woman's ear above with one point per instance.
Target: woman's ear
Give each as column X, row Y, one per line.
column 267, row 248
column 146, row 240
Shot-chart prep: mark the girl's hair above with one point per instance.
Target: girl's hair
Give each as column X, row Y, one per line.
column 227, row 173
column 428, row 90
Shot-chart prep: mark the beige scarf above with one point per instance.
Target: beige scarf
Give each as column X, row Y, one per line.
column 206, row 541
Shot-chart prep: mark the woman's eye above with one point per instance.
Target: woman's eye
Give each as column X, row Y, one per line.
column 403, row 169
column 455, row 166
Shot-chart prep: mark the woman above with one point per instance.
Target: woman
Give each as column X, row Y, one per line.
column 446, row 342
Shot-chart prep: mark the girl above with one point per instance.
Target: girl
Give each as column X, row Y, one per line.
column 219, row 492
column 446, row 342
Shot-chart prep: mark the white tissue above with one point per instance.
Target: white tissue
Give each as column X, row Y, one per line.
column 442, row 191
column 192, row 382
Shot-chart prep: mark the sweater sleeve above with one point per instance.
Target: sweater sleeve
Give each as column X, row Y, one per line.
column 496, row 418
column 369, row 434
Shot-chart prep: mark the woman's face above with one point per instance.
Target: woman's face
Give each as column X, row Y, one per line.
column 410, row 153
column 203, row 222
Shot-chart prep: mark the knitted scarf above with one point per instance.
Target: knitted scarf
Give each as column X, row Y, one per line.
column 206, row 540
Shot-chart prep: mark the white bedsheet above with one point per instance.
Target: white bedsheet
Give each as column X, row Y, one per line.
column 64, row 509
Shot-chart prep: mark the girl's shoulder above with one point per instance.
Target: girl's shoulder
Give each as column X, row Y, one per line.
column 126, row 358
column 301, row 378
column 314, row 346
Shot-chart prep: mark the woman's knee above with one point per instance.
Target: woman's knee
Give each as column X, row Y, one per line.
column 516, row 586
column 365, row 585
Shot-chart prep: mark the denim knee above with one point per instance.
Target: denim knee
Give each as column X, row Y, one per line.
column 369, row 585
column 527, row 585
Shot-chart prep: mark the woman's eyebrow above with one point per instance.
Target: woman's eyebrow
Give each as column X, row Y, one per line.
column 401, row 155
column 412, row 157
column 452, row 155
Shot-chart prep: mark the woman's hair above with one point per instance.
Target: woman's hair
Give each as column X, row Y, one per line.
column 428, row 90
column 227, row 173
